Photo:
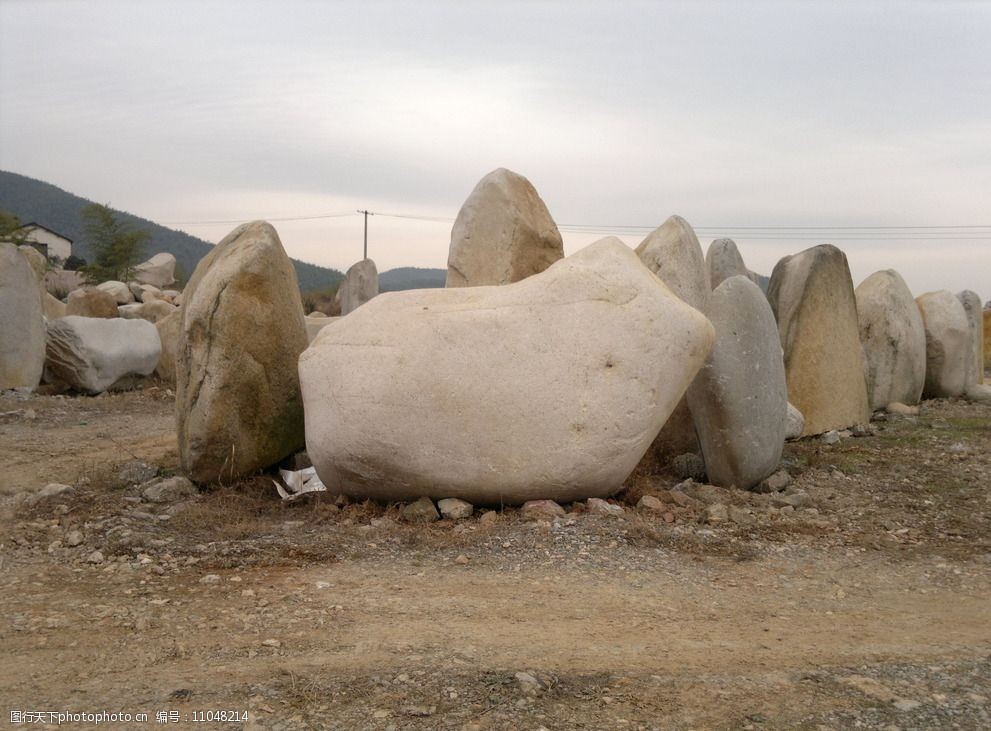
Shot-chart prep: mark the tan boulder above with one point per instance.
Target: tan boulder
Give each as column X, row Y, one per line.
column 947, row 344
column 238, row 403
column 503, row 233
column 91, row 303
column 168, row 332
column 813, row 300
column 894, row 339
column 118, row 290
column 22, row 322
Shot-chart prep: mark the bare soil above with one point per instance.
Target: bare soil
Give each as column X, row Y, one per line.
column 868, row 606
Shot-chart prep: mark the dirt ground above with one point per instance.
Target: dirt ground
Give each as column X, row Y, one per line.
column 860, row 597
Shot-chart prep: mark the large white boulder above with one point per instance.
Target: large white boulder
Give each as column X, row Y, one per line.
column 238, row 404
column 118, row 290
column 975, row 324
column 158, row 271
column 503, row 233
column 812, row 296
column 552, row 387
column 22, row 322
column 739, row 399
column 360, row 284
column 894, row 339
column 91, row 354
column 947, row 344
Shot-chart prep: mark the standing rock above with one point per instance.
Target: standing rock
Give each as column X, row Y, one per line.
column 739, row 398
column 91, row 354
column 975, row 324
column 91, row 303
column 158, row 271
column 169, row 329
column 987, row 337
column 503, row 233
column 723, row 261
column 813, row 300
column 947, row 344
column 22, row 322
column 315, row 324
column 360, row 284
column 894, row 339
column 673, row 253
column 552, row 387
column 238, row 404
column 118, row 290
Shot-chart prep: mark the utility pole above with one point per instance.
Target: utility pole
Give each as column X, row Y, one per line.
column 367, row 214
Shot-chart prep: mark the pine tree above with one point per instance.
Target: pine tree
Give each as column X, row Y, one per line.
column 115, row 246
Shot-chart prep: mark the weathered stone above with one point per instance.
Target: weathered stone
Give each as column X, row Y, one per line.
column 814, row 303
column 775, row 483
column 238, row 404
column 947, row 344
column 723, row 261
column 22, row 322
column 53, row 308
column 794, row 423
column 169, row 329
column 158, row 271
column 454, row 509
column 503, row 233
column 673, row 253
column 118, row 290
column 739, row 398
column 91, row 303
column 420, row 511
column 360, row 285
column 541, row 510
column 893, row 337
column 598, row 506
column 502, row 394
column 975, row 324
column 169, row 489
column 151, row 311
column 91, row 354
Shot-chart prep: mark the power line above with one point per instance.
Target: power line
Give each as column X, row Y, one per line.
column 256, row 218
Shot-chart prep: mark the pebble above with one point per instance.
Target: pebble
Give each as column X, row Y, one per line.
column 541, row 509
column 831, row 437
column 462, row 560
column 210, row 579
column 421, row 511
column 649, row 502
column 775, row 483
column 73, row 538
column 598, row 506
column 95, row 557
column 454, row 509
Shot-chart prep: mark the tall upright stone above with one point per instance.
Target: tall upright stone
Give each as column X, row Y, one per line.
column 672, row 252
column 987, row 336
column 22, row 322
column 503, row 233
column 975, row 323
column 360, row 284
column 238, row 403
column 894, row 339
column 947, row 344
column 723, row 261
column 813, row 300
column 739, row 399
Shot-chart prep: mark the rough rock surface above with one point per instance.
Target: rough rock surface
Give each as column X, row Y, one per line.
column 739, row 398
column 893, row 337
column 503, row 233
column 118, row 290
column 723, row 261
column 673, row 253
column 53, row 308
column 91, row 354
column 552, row 387
column 91, row 303
column 39, row 265
column 813, row 300
column 238, row 403
column 947, row 344
column 158, row 271
column 975, row 323
column 360, row 284
column 794, row 423
column 22, row 323
column 168, row 332
column 151, row 311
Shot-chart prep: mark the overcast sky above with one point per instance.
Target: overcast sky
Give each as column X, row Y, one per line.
column 732, row 115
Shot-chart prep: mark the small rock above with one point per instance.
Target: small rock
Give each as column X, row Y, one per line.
column 831, row 437
column 775, row 483
column 136, row 472
column 649, row 502
column 421, row 511
column 904, row 704
column 271, row 643
column 896, row 407
column 689, row 465
column 462, row 560
column 95, row 557
column 210, row 579
column 681, row 499
column 837, row 475
column 740, row 516
column 381, row 713
column 73, row 538
column 488, row 517
column 795, row 500
column 528, row 683
column 716, row 513
column 541, row 509
column 169, row 489
column 598, row 506
column 862, row 430
column 454, row 509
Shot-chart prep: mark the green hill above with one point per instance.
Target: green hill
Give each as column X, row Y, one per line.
column 411, row 278
column 34, row 201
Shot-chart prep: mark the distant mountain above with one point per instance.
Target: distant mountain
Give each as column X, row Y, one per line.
column 34, row 201
column 401, row 278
